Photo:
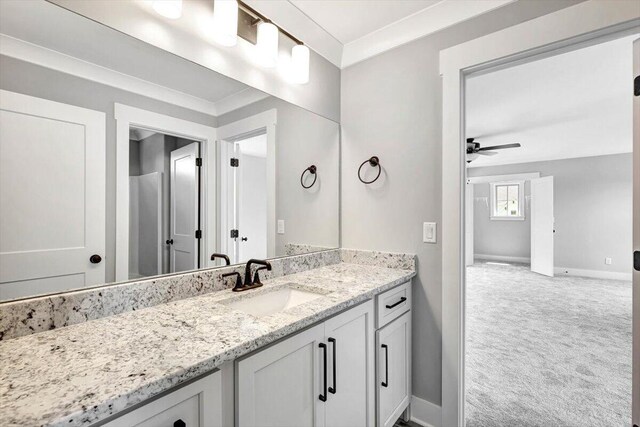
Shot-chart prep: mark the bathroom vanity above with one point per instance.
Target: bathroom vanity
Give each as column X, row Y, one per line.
column 319, row 347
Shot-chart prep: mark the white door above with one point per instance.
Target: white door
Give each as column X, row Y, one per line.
column 393, row 376
column 52, row 196
column 468, row 225
column 281, row 385
column 542, row 227
column 350, row 368
column 636, row 233
column 183, row 215
column 252, row 204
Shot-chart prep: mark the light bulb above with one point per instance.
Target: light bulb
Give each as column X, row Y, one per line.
column 225, row 22
column 267, row 45
column 171, row 9
column 300, row 64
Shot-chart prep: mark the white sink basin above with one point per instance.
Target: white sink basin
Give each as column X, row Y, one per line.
column 266, row 303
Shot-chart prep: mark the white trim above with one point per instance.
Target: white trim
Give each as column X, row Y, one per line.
column 425, row 413
column 422, row 23
column 502, row 178
column 502, row 258
column 239, row 99
column 126, row 117
column 578, row 24
column 54, row 60
column 267, row 120
column 595, row 274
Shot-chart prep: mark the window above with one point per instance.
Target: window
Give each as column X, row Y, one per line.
column 507, row 200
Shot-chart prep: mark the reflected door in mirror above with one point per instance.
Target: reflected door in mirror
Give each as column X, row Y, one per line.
column 52, row 192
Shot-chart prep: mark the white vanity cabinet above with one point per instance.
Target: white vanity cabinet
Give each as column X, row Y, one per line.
column 323, row 376
column 197, row 404
column 393, row 354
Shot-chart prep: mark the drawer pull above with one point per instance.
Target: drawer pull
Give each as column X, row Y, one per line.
column 179, row 423
column 385, row 383
column 323, row 396
column 403, row 299
column 333, row 389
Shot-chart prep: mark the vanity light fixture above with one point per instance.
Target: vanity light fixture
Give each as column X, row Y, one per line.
column 225, row 22
column 171, row 9
column 300, row 64
column 267, row 45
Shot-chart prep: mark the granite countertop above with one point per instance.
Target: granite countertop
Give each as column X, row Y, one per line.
column 84, row 373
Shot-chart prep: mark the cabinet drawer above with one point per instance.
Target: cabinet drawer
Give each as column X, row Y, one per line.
column 393, row 303
column 198, row 404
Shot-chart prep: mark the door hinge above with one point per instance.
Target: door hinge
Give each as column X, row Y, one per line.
column 636, row 260
column 234, row 234
column 636, row 86
column 235, row 162
column 199, row 161
column 198, row 234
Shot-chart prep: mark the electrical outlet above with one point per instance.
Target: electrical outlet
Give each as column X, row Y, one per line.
column 281, row 226
column 429, row 232
column 607, row 261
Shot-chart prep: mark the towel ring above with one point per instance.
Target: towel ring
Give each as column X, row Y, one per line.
column 373, row 162
column 312, row 170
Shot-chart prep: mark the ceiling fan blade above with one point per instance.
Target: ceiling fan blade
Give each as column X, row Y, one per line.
column 487, row 153
column 500, row 147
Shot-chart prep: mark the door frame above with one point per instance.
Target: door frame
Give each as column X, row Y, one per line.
column 234, row 131
column 126, row 117
column 583, row 24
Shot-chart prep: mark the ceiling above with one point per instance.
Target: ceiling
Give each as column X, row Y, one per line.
column 575, row 104
column 348, row 20
column 349, row 31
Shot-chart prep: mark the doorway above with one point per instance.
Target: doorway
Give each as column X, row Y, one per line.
column 164, row 203
column 549, row 296
column 245, row 161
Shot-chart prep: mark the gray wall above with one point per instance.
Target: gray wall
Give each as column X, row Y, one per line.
column 392, row 108
column 592, row 209
column 29, row 79
column 302, row 138
column 496, row 237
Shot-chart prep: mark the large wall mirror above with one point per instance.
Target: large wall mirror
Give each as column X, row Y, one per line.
column 121, row 161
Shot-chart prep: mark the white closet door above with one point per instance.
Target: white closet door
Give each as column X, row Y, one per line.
column 52, row 196
column 184, row 208
column 542, row 225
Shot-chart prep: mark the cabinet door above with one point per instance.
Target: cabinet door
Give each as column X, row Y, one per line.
column 393, row 369
column 281, row 385
column 196, row 404
column 350, row 368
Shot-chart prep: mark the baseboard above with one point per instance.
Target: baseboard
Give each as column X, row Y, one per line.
column 425, row 413
column 503, row 258
column 596, row 274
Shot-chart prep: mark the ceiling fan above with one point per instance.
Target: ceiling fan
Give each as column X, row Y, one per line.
column 474, row 150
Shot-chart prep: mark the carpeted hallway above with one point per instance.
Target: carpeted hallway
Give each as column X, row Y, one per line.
column 548, row 352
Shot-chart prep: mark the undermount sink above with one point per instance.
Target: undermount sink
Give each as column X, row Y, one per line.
column 266, row 303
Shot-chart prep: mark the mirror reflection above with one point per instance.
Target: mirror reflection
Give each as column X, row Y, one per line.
column 118, row 171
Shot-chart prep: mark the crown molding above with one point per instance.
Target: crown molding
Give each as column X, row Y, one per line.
column 422, row 23
column 29, row 52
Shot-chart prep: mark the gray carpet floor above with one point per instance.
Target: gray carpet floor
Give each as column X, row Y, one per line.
column 546, row 351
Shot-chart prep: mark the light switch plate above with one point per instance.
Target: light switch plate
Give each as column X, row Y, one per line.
column 607, row 261
column 281, row 226
column 429, row 232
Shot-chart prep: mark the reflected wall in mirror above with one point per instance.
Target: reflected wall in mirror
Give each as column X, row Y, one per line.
column 120, row 161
